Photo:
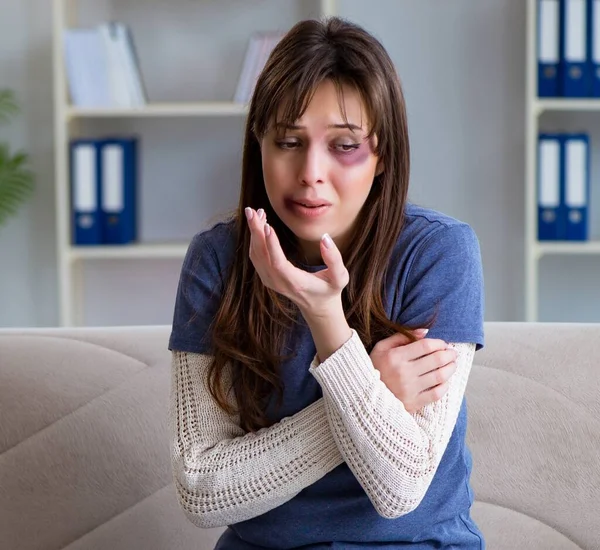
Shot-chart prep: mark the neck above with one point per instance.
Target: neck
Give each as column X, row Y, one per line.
column 310, row 252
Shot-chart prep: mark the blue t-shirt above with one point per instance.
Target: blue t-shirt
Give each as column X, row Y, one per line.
column 435, row 269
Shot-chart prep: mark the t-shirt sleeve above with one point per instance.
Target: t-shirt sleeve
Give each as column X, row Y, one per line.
column 198, row 297
column 445, row 286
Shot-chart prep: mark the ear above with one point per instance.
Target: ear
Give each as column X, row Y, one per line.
column 379, row 168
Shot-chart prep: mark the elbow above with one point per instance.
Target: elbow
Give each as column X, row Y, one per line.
column 204, row 521
column 395, row 508
column 196, row 499
column 397, row 500
column 197, row 509
column 404, row 495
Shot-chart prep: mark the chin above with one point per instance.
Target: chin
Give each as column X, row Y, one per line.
column 305, row 232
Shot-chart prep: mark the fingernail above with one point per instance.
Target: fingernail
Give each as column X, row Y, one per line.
column 261, row 213
column 422, row 331
column 267, row 229
column 327, row 240
column 248, row 211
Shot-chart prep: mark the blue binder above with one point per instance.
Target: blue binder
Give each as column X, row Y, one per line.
column 548, row 48
column 576, row 190
column 84, row 164
column 594, row 49
column 550, row 175
column 575, row 48
column 119, row 174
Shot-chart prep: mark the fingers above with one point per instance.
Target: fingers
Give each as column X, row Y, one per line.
column 435, row 360
column 421, row 348
column 276, row 253
column 438, row 376
column 256, row 223
column 399, row 339
column 434, row 394
column 332, row 257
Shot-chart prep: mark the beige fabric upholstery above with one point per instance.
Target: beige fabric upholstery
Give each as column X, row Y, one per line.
column 84, row 448
column 534, row 430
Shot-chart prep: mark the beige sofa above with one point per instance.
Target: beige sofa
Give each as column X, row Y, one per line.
column 84, row 447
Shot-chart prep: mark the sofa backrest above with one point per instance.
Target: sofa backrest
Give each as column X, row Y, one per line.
column 84, row 445
column 534, row 430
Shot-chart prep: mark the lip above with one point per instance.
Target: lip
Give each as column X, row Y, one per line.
column 307, row 210
column 310, row 202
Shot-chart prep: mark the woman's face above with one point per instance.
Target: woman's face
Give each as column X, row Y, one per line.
column 319, row 172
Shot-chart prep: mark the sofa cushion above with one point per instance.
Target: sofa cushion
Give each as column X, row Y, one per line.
column 505, row 528
column 84, row 443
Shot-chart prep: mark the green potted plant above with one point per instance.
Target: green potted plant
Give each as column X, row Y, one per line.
column 17, row 181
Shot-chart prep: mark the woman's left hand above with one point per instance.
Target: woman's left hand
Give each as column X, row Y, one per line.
column 313, row 293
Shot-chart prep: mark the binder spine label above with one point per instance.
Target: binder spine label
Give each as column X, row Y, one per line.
column 548, row 45
column 575, row 193
column 113, row 184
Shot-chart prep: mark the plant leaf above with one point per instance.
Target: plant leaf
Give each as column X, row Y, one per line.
column 8, row 105
column 17, row 182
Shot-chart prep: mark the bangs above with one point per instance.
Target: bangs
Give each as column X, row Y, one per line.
column 294, row 97
column 312, row 53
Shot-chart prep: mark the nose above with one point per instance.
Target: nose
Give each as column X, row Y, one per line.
column 313, row 167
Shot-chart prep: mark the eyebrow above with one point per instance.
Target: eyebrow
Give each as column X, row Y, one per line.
column 348, row 126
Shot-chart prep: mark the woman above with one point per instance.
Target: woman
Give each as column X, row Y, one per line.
column 308, row 408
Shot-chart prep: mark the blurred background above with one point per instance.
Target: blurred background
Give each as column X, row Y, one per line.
column 177, row 115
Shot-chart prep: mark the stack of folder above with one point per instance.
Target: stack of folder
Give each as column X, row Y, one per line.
column 563, row 187
column 568, row 48
column 102, row 67
column 259, row 49
column 104, row 181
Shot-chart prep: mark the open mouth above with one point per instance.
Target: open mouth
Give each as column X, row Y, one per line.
column 311, row 205
column 307, row 209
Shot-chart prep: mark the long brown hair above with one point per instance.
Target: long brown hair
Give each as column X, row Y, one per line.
column 253, row 323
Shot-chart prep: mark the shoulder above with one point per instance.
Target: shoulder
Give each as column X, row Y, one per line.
column 427, row 228
column 430, row 236
column 219, row 240
column 212, row 251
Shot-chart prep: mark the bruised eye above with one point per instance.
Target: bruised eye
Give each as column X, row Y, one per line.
column 346, row 147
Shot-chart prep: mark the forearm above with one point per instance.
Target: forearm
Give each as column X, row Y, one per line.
column 393, row 454
column 224, row 476
column 329, row 329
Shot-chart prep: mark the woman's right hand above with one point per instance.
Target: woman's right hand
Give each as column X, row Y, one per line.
column 417, row 373
column 314, row 293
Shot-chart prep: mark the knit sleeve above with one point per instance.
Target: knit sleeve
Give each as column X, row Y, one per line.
column 393, row 454
column 224, row 475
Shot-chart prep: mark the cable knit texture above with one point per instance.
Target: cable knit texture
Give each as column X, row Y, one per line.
column 224, row 476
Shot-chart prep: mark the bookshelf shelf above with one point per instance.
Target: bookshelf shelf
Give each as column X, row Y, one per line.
column 131, row 252
column 566, row 248
column 203, row 108
column 566, row 105
column 70, row 121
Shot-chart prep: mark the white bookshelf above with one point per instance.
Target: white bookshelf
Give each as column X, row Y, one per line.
column 583, row 248
column 205, row 108
column 535, row 108
column 540, row 106
column 70, row 258
column 128, row 252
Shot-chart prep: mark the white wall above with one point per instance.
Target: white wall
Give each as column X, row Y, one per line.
column 27, row 248
column 462, row 66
